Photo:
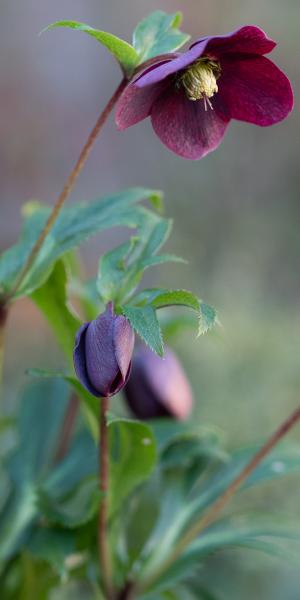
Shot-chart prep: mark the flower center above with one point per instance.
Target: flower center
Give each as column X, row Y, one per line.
column 200, row 80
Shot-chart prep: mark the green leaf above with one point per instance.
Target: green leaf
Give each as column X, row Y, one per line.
column 51, row 299
column 176, row 298
column 158, row 34
column 90, row 404
column 125, row 54
column 132, row 458
column 281, row 462
column 113, row 270
column 73, row 509
column 144, row 322
column 74, row 225
column 246, row 531
column 42, row 410
column 208, row 318
column 121, row 269
column 53, row 546
column 159, row 298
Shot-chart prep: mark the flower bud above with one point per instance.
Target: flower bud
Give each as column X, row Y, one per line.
column 158, row 387
column 102, row 353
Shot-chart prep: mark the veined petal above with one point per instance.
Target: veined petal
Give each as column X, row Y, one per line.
column 246, row 40
column 80, row 360
column 162, row 71
column 255, row 90
column 185, row 127
column 135, row 104
column 123, row 340
column 101, row 363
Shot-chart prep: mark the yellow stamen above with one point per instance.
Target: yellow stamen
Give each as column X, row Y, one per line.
column 200, row 80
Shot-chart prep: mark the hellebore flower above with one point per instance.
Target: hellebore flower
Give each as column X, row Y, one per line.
column 191, row 97
column 158, row 387
column 102, row 353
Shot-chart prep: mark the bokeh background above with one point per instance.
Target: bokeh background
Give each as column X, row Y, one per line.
column 236, row 219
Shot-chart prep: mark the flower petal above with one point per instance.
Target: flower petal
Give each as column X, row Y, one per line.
column 123, row 339
column 101, row 362
column 160, row 72
column 246, row 40
column 135, row 104
column 80, row 361
column 170, row 384
column 185, row 127
column 255, row 90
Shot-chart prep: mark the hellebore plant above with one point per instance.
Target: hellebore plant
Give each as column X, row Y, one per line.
column 192, row 97
column 50, row 515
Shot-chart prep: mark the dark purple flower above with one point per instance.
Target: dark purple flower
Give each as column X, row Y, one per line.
column 158, row 387
column 102, row 353
column 191, row 97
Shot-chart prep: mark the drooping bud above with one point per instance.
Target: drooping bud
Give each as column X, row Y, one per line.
column 158, row 387
column 102, row 353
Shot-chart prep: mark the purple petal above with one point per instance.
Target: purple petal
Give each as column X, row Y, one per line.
column 185, row 127
column 255, row 90
column 123, row 340
column 80, row 361
column 170, row 384
column 160, row 72
column 135, row 104
column 246, row 40
column 101, row 362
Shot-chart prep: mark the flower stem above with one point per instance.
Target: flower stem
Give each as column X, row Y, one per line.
column 67, row 187
column 104, row 557
column 67, row 428
column 213, row 512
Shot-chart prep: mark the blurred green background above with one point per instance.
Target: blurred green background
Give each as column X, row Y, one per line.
column 236, row 219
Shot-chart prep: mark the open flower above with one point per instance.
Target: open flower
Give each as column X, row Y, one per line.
column 102, row 353
column 191, row 97
column 158, row 387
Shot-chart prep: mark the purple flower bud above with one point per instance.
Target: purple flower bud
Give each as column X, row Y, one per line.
column 158, row 387
column 102, row 353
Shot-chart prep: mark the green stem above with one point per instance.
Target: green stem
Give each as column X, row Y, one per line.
column 104, row 554
column 213, row 512
column 68, row 187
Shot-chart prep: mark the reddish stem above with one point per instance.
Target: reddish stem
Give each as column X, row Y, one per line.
column 104, row 557
column 67, row 188
column 213, row 512
column 67, row 428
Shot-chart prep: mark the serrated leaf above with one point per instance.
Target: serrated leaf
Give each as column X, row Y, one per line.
column 113, row 270
column 158, row 34
column 176, row 298
column 125, row 54
column 121, row 269
column 74, row 225
column 132, row 458
column 208, row 318
column 166, row 298
column 144, row 322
